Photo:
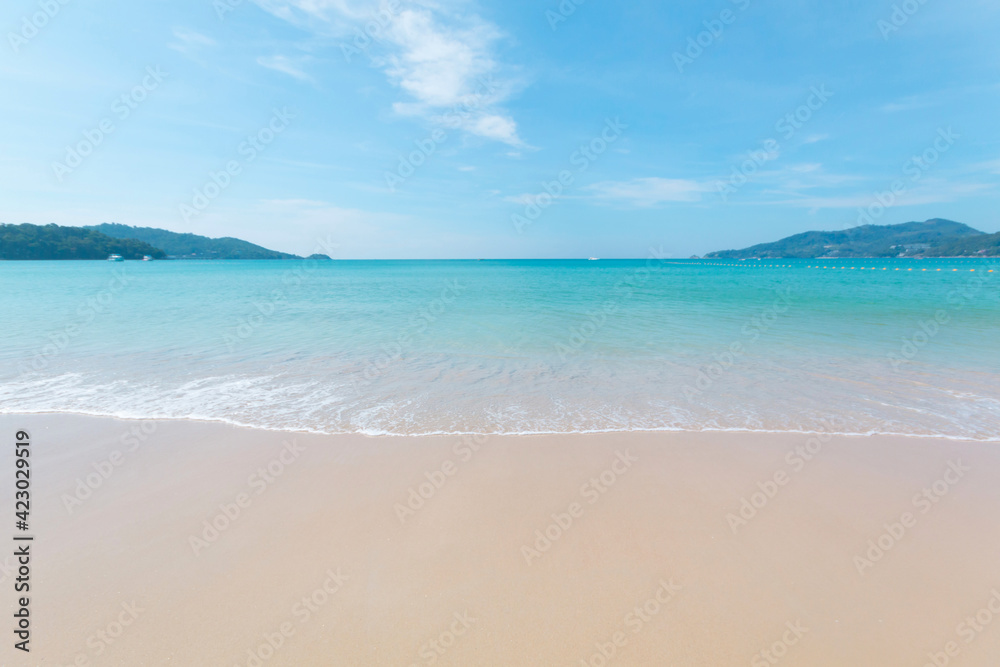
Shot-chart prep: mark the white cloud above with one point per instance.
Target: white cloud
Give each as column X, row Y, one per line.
column 290, row 66
column 442, row 59
column 496, row 127
column 652, row 191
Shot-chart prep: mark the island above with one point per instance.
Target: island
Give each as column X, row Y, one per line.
column 47, row 242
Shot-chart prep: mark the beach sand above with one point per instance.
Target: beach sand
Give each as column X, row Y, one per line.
column 332, row 559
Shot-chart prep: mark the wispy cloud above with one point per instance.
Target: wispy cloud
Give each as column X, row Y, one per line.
column 910, row 103
column 286, row 65
column 803, row 176
column 991, row 166
column 815, row 138
column 646, row 192
column 523, row 199
column 937, row 191
column 188, row 41
column 442, row 58
column 357, row 232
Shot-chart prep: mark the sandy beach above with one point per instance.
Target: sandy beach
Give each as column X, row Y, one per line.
column 368, row 333
column 190, row 543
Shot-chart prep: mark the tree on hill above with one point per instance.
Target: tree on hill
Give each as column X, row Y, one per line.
column 54, row 242
column 192, row 246
column 913, row 239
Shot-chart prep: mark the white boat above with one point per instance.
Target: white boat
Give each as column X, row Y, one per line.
column 115, row 258
column 593, row 259
column 147, row 258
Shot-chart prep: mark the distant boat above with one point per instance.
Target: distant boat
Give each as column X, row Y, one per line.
column 115, row 258
column 147, row 258
column 593, row 259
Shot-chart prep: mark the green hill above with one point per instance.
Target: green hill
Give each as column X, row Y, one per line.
column 55, row 242
column 987, row 245
column 191, row 246
column 932, row 238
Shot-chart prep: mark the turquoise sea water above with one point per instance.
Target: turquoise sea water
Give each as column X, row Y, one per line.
column 511, row 346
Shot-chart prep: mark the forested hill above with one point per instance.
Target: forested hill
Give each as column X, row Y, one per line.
column 192, row 246
column 54, row 242
column 932, row 238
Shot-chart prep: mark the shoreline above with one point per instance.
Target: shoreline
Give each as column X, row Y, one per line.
column 434, row 434
column 233, row 544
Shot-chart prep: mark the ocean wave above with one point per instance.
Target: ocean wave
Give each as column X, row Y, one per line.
column 275, row 403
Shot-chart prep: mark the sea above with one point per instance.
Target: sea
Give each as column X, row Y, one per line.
column 860, row 346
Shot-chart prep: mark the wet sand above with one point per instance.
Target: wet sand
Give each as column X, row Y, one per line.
column 189, row 543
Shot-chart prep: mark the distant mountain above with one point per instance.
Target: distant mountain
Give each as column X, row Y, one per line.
column 932, row 238
column 192, row 246
column 55, row 242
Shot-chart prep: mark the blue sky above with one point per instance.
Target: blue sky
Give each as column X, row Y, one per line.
column 454, row 128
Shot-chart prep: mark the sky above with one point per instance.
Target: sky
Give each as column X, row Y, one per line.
column 488, row 129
